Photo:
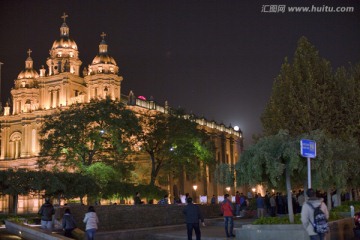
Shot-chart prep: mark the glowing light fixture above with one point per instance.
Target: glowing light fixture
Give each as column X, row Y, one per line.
column 228, row 189
column 236, row 128
column 195, row 187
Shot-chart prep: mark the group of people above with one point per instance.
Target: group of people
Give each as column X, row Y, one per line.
column 313, row 211
column 91, row 220
column 193, row 215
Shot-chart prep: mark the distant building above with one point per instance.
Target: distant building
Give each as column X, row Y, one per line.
column 62, row 82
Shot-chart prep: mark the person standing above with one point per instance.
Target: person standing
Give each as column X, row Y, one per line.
column 237, row 204
column 213, row 199
column 335, row 199
column 227, row 210
column 68, row 223
column 91, row 220
column 46, row 212
column 260, row 205
column 192, row 216
column 307, row 214
column 137, row 199
column 301, row 200
column 165, row 200
column 272, row 206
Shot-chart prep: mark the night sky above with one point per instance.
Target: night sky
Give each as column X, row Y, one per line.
column 215, row 58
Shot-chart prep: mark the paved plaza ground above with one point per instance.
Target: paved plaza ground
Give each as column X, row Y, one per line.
column 209, row 232
column 213, row 231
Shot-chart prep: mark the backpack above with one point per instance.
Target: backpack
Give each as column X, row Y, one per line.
column 320, row 223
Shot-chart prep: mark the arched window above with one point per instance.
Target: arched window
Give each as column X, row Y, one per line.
column 15, row 144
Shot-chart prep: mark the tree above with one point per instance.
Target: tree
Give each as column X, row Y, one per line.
column 346, row 108
column 15, row 183
column 272, row 157
column 174, row 142
column 83, row 134
column 308, row 100
column 301, row 100
column 224, row 174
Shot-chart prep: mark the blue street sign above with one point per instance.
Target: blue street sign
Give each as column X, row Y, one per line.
column 308, row 148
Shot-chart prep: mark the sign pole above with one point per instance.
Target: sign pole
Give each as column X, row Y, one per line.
column 309, row 172
column 308, row 150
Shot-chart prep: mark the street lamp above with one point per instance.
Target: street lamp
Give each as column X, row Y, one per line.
column 228, row 189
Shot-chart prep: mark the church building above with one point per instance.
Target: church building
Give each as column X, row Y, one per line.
column 63, row 81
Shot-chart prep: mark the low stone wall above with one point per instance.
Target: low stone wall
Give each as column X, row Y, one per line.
column 27, row 232
column 339, row 230
column 121, row 217
column 342, row 229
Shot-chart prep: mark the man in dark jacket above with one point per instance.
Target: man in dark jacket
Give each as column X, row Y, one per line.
column 46, row 211
column 193, row 215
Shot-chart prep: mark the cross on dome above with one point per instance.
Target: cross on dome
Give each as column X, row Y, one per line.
column 64, row 16
column 103, row 35
column 29, row 52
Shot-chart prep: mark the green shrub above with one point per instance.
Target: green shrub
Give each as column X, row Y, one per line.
column 285, row 219
column 345, row 206
column 28, row 218
column 277, row 220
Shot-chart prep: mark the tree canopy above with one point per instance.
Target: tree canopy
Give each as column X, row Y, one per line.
column 174, row 143
column 301, row 100
column 83, row 134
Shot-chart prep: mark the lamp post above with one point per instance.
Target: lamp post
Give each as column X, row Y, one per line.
column 228, row 189
column 195, row 188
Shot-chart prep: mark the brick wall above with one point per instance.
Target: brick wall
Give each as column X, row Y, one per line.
column 116, row 217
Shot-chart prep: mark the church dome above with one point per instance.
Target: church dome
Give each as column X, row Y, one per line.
column 64, row 42
column 103, row 57
column 28, row 72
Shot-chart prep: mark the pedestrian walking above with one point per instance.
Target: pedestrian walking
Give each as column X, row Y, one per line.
column 227, row 210
column 308, row 219
column 91, row 220
column 46, row 212
column 68, row 223
column 192, row 216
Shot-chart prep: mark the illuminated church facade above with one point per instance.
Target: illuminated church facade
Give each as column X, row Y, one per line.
column 62, row 82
